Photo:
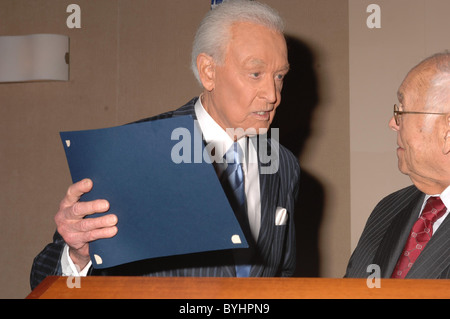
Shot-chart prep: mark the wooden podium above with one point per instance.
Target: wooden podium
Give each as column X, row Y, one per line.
column 236, row 288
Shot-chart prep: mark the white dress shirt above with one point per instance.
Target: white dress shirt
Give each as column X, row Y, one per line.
column 216, row 137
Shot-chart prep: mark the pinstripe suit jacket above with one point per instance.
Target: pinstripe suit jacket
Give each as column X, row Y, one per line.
column 275, row 254
column 385, row 235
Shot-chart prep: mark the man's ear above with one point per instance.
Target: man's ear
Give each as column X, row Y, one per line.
column 446, row 148
column 206, row 71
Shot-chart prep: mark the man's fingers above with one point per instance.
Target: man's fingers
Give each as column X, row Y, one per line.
column 79, row 240
column 81, row 209
column 79, row 233
column 100, row 233
column 75, row 191
column 77, row 230
column 90, row 224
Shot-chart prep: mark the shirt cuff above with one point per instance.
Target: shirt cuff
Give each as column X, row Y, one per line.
column 68, row 268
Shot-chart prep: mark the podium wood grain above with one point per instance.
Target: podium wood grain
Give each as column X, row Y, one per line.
column 55, row 287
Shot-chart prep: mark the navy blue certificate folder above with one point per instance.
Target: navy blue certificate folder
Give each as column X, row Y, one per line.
column 168, row 202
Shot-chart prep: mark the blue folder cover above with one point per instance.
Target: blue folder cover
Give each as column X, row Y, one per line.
column 164, row 208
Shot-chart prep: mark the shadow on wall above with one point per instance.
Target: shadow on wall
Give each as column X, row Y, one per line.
column 294, row 115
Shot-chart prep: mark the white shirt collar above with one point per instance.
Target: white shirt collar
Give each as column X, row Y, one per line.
column 445, row 197
column 213, row 134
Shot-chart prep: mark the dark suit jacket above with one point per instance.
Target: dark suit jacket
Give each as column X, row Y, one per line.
column 275, row 254
column 385, row 235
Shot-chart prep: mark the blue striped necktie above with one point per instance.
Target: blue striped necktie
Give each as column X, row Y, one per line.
column 233, row 181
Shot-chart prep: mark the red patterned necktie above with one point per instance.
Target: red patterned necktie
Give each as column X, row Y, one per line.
column 420, row 235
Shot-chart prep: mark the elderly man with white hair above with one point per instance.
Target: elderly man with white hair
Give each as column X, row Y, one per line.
column 240, row 59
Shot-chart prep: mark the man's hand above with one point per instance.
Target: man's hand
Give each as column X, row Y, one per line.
column 78, row 231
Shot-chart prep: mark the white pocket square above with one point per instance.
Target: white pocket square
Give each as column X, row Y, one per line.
column 281, row 216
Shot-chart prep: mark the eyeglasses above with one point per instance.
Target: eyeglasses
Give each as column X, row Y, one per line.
column 398, row 113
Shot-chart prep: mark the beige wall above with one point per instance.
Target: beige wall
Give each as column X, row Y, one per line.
column 129, row 60
column 379, row 60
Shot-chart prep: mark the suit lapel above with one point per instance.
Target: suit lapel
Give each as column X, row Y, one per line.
column 396, row 235
column 269, row 185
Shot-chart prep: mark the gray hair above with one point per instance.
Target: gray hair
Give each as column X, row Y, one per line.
column 213, row 33
column 438, row 94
